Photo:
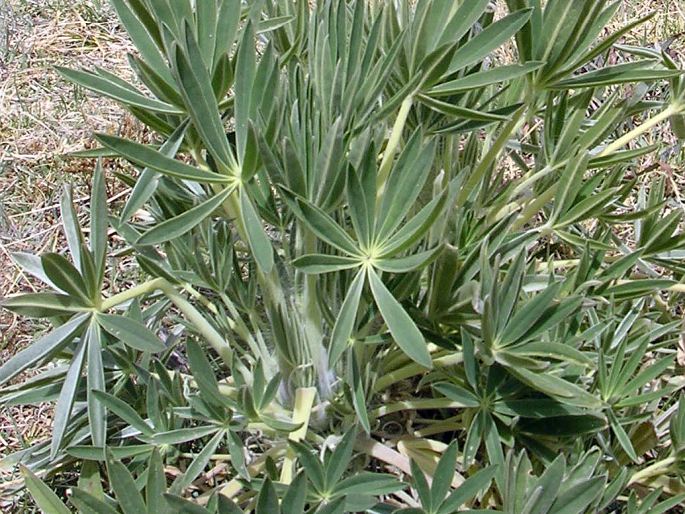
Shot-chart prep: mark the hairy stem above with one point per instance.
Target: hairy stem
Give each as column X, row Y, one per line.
column 653, row 470
column 672, row 109
column 393, row 146
column 412, row 369
column 199, row 322
column 304, row 401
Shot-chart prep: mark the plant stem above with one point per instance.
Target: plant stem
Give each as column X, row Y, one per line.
column 311, row 312
column 412, row 369
column 200, row 323
column 191, row 313
column 672, row 109
column 430, row 403
column 392, row 146
column 652, row 470
column 304, row 400
column 233, row 487
column 383, row 453
column 130, row 294
column 534, row 206
column 488, row 159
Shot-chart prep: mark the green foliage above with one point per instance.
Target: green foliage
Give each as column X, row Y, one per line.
column 388, row 269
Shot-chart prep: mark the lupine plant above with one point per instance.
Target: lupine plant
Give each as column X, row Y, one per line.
column 393, row 256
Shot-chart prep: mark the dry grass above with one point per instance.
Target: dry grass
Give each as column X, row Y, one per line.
column 43, row 118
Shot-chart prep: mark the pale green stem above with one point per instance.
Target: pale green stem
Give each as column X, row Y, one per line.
column 388, row 455
column 655, row 469
column 671, row 110
column 233, row 487
column 383, row 453
column 534, row 207
column 191, row 313
column 393, row 146
column 312, row 313
column 529, row 179
column 675, row 288
column 200, row 323
column 490, row 156
column 412, row 369
column 270, row 282
column 139, row 290
column 431, row 403
column 304, row 401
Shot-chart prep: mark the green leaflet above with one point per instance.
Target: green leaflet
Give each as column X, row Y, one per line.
column 256, row 235
column 129, row 498
column 484, row 78
column 46, row 500
column 67, row 395
column 95, row 379
column 344, row 323
column 185, row 222
column 320, row 263
column 404, row 331
column 485, row 42
column 130, row 332
column 126, row 95
column 151, row 158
